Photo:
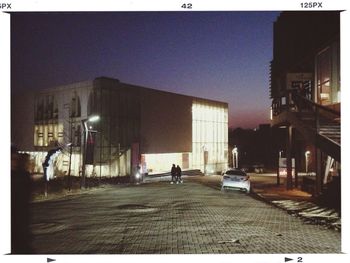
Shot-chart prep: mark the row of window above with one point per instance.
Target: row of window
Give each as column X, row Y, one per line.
column 46, row 107
column 328, row 75
column 48, row 135
column 53, row 135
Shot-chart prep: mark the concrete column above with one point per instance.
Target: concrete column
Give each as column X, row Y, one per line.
column 297, row 162
column 289, row 184
column 319, row 173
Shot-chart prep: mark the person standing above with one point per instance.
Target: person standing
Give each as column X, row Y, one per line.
column 178, row 174
column 173, row 173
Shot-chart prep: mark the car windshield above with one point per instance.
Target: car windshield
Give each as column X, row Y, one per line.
column 235, row 172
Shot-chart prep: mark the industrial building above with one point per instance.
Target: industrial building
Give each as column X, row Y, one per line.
column 305, row 92
column 138, row 128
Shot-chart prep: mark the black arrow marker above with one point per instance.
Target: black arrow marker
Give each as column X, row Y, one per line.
column 50, row 260
column 287, row 259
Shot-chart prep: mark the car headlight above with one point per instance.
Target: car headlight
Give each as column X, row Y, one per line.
column 137, row 175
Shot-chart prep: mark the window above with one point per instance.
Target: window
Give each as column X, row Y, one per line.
column 328, row 75
column 75, row 108
column 324, row 67
column 39, row 109
column 48, row 134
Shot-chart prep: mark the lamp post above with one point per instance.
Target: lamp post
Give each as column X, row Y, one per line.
column 235, row 157
column 205, row 157
column 278, row 166
column 307, row 155
column 86, row 133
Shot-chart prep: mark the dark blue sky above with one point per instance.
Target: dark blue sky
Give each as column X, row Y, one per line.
column 216, row 55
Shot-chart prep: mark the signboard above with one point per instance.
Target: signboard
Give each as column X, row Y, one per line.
column 294, row 80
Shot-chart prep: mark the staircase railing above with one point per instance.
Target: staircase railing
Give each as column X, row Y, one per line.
column 321, row 114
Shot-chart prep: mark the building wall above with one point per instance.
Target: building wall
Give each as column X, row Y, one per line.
column 209, row 136
column 53, row 118
column 166, row 122
column 57, row 122
column 160, row 124
column 297, row 38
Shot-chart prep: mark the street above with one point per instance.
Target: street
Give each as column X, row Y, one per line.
column 160, row 218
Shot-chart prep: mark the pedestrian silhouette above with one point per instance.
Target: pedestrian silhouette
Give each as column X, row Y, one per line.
column 173, row 173
column 178, row 174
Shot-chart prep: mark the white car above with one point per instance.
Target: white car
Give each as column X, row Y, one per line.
column 235, row 179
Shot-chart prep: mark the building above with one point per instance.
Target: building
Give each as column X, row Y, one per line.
column 137, row 126
column 305, row 92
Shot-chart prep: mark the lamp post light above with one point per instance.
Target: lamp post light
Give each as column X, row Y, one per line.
column 307, row 156
column 86, row 133
column 235, row 157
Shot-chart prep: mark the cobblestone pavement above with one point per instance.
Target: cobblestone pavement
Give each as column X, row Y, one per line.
column 158, row 218
column 295, row 201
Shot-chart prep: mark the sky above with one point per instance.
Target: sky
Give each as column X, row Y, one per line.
column 222, row 56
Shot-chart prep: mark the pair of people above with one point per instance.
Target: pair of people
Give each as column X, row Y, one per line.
column 176, row 174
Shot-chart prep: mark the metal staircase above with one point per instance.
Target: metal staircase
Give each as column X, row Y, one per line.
column 318, row 124
column 331, row 132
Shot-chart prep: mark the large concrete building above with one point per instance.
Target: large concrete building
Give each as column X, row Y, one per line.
column 136, row 126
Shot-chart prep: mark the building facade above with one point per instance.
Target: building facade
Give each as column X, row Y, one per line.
column 137, row 127
column 305, row 92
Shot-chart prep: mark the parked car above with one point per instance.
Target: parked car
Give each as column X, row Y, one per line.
column 235, row 179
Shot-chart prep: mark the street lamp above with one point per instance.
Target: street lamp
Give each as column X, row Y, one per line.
column 86, row 133
column 235, row 157
column 205, row 157
column 278, row 166
column 307, row 155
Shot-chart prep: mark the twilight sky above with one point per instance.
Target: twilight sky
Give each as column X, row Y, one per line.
column 216, row 55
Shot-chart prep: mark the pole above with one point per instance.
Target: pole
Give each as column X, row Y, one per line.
column 233, row 160
column 70, row 154
column 237, row 159
column 318, row 182
column 69, row 168
column 289, row 158
column 278, row 167
column 45, row 178
column 84, row 154
column 297, row 166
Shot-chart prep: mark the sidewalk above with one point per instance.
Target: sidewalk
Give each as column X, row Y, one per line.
column 294, row 201
column 266, row 187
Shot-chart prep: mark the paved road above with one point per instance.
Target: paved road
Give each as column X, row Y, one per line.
column 157, row 218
